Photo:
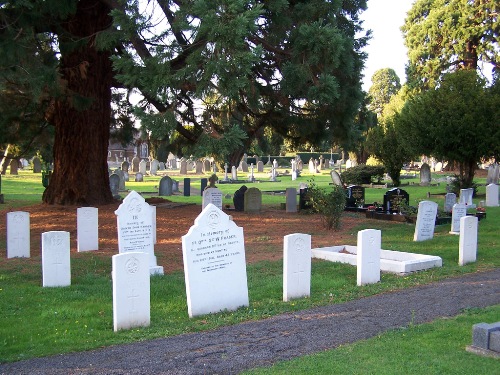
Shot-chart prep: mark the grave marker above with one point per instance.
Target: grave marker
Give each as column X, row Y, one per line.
column 425, row 175
column 467, row 250
column 449, row 200
column 426, row 221
column 355, row 196
column 459, row 210
column 143, row 167
column 212, row 195
column 466, row 197
column 18, row 234
column 368, row 256
column 214, row 264
column 252, row 200
column 394, row 199
column 296, row 266
column 492, row 195
column 56, row 269
column 291, row 200
column 87, row 228
column 165, row 187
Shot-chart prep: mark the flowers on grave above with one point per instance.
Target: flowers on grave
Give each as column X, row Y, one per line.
column 372, row 208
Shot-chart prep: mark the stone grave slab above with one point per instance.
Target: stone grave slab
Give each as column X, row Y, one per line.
column 214, row 264
column 492, row 195
column 296, row 266
column 426, row 221
column 468, row 240
column 166, row 186
column 87, row 228
column 425, row 175
column 131, row 290
column 368, row 256
column 18, row 234
column 212, row 195
column 56, row 264
column 253, row 200
column 291, row 200
column 449, row 200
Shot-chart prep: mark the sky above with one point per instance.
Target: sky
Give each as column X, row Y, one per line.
column 386, row 48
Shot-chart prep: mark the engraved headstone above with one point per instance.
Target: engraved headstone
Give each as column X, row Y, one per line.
column 56, row 269
column 206, row 166
column 212, row 195
column 214, row 264
column 492, row 195
column 135, row 229
column 459, row 210
column 425, row 175
column 394, row 199
column 291, row 200
column 296, row 266
column 368, row 256
column 468, row 240
column 253, row 200
column 135, row 164
column 155, row 164
column 355, row 196
column 143, row 167
column 183, row 166
column 165, row 187
column 87, row 228
column 260, row 166
column 426, row 221
column 199, row 167
column 18, row 234
column 449, row 200
column 131, row 290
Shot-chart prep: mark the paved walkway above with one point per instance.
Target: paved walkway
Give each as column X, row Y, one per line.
column 229, row 350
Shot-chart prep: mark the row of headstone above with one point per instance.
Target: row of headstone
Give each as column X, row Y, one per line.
column 247, row 199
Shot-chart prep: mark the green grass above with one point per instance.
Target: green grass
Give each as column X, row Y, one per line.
column 40, row 321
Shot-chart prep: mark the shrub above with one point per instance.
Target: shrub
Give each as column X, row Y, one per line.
column 362, row 174
column 329, row 203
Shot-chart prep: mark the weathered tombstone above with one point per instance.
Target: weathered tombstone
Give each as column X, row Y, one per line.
column 468, row 240
column 37, row 165
column 449, row 200
column 394, row 199
column 426, row 221
column 199, row 167
column 206, row 166
column 183, row 166
column 260, row 166
column 187, row 187
column 355, row 196
column 296, row 266
column 18, row 234
column 425, row 175
column 143, row 167
column 492, row 195
column 87, row 228
column 253, row 200
column 234, row 173
column 155, row 164
column 239, row 198
column 214, row 264
column 56, row 269
column 312, row 166
column 466, row 197
column 458, row 211
column 139, row 177
column 135, row 164
column 135, row 229
column 121, row 174
column 114, row 185
column 291, row 200
column 496, row 174
column 161, row 166
column 244, row 166
column 300, row 165
column 336, row 178
column 212, row 195
column 125, row 166
column 165, row 187
column 14, row 165
column 492, row 174
column 131, row 290
column 368, row 256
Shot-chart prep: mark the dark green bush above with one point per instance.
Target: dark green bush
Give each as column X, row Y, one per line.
column 329, row 202
column 362, row 174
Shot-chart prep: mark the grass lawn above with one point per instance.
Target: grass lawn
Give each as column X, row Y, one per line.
column 80, row 317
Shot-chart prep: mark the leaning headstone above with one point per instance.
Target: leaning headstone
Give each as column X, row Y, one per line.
column 426, row 221
column 114, row 185
column 87, row 228
column 296, row 266
column 449, row 200
column 466, row 197
column 468, row 240
column 56, row 269
column 368, row 256
column 459, row 210
column 165, row 187
column 239, row 198
column 291, row 200
column 425, row 175
column 336, row 178
column 37, row 165
column 18, row 234
column 131, row 291
column 135, row 229
column 492, row 195
column 214, row 264
column 253, row 200
column 143, row 167
column 14, row 165
column 212, row 195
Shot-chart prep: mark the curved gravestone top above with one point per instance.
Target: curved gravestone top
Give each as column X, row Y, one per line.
column 336, row 178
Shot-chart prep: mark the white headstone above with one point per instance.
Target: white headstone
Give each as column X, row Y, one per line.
column 135, row 228
column 212, row 195
column 492, row 195
column 153, row 221
column 466, row 197
column 234, row 173
column 459, row 211
column 87, row 228
column 214, row 264
column 368, row 256
column 467, row 250
column 142, row 167
column 426, row 221
column 56, row 268
column 296, row 266
column 18, row 234
column 131, row 290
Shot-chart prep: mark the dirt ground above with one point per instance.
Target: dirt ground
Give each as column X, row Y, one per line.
column 263, row 231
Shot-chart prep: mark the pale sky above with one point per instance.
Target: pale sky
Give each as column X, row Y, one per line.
column 386, row 48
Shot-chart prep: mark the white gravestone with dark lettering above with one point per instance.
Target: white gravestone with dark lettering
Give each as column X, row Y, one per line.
column 426, row 221
column 296, row 266
column 135, row 229
column 131, row 290
column 87, row 228
column 56, row 268
column 214, row 264
column 467, row 249
column 368, row 256
column 212, row 195
column 18, row 234
column 459, row 210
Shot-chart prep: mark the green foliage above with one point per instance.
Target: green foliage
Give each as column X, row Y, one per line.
column 329, row 203
column 362, row 174
column 385, row 84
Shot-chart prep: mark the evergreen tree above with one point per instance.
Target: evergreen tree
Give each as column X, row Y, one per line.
column 385, row 84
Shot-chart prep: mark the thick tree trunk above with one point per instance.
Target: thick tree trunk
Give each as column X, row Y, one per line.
column 80, row 173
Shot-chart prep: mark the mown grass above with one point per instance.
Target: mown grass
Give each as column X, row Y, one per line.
column 40, row 321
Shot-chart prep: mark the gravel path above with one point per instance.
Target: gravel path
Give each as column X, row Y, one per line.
column 229, row 350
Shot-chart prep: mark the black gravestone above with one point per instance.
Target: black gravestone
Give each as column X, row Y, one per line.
column 355, row 196
column 394, row 198
column 187, row 187
column 304, row 200
column 239, row 198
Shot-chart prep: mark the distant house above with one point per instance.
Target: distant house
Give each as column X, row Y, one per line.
column 118, row 153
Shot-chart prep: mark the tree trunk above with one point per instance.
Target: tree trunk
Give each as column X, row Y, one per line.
column 80, row 173
column 5, row 160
